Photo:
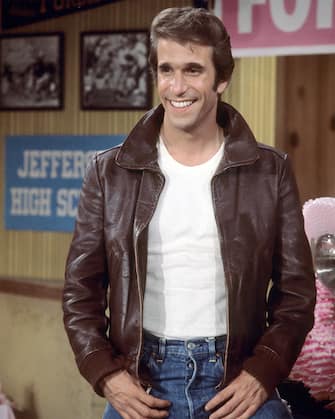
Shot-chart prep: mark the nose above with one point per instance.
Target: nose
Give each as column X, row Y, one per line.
column 178, row 84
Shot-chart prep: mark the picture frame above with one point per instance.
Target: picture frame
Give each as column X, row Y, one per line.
column 32, row 71
column 115, row 71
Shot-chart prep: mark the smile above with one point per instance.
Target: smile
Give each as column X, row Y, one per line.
column 181, row 104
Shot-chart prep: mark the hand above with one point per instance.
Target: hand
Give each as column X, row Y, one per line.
column 240, row 399
column 128, row 397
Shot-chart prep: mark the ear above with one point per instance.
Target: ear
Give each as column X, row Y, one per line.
column 221, row 87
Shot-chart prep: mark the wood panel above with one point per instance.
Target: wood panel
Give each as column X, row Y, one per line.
column 306, row 121
column 326, row 136
column 253, row 93
column 51, row 290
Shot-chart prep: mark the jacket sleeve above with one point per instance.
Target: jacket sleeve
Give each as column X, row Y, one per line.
column 291, row 298
column 86, row 283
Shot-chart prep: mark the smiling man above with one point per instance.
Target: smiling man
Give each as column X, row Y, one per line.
column 191, row 233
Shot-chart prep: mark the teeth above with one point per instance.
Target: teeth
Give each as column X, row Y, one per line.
column 183, row 104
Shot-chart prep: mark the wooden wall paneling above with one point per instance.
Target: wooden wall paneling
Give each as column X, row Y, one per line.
column 253, row 92
column 325, row 140
column 51, row 290
column 299, row 93
column 306, row 127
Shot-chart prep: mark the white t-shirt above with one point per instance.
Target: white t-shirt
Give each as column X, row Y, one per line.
column 185, row 294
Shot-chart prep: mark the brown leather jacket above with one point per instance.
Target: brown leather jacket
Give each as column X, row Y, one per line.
column 261, row 231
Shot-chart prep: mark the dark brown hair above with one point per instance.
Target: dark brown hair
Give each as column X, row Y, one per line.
column 188, row 24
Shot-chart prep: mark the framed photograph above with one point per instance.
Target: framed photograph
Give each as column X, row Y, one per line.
column 114, row 70
column 31, row 68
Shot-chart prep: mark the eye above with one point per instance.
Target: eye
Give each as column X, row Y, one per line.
column 194, row 70
column 164, row 69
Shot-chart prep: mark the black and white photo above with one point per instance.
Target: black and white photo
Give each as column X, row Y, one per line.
column 31, row 71
column 114, row 68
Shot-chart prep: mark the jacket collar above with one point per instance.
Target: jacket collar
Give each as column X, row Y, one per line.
column 139, row 150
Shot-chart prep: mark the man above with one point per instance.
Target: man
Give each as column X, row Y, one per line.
column 185, row 224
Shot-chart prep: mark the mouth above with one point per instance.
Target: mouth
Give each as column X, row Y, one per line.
column 181, row 104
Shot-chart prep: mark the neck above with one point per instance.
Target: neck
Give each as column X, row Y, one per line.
column 192, row 149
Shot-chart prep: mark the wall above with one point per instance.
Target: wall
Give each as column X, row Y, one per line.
column 37, row 367
column 306, row 121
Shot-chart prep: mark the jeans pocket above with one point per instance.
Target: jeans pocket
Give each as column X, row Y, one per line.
column 219, row 367
column 150, row 361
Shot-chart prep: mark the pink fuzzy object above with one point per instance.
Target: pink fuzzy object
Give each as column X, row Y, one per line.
column 315, row 366
column 319, row 216
column 316, row 363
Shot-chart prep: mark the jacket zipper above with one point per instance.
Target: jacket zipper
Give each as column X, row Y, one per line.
column 139, row 348
column 231, row 165
column 227, row 288
column 139, row 289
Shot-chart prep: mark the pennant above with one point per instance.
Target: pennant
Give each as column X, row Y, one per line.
column 18, row 13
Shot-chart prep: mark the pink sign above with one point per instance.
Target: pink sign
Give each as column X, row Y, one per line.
column 279, row 27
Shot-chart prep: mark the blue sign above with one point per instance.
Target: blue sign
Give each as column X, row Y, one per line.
column 44, row 176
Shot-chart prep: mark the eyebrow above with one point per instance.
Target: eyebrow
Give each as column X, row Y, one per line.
column 195, row 66
column 163, row 66
column 187, row 66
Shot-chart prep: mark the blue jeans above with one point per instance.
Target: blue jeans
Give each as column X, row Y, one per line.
column 187, row 373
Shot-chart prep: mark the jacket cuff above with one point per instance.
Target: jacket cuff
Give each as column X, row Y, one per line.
column 98, row 365
column 266, row 366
